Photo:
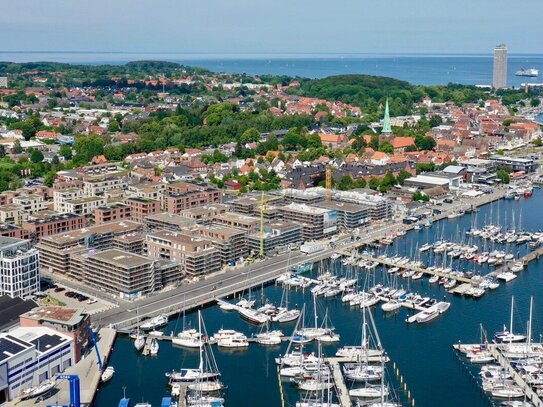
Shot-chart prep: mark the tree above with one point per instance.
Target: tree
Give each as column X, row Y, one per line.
column 503, row 176
column 374, row 183
column 419, row 196
column 507, row 122
column 345, row 183
column 2, row 151
column 435, row 121
column 87, row 147
column 387, row 181
column 55, row 161
column 425, row 143
column 65, row 151
column 360, row 183
column 113, row 126
column 374, row 142
column 402, row 176
column 17, row 148
column 535, row 102
column 36, row 156
column 537, row 142
column 386, row 147
column 249, row 136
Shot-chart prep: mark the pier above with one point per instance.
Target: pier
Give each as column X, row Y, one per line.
column 343, row 392
column 526, row 388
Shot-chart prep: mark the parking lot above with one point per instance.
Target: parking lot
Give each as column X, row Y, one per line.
column 60, row 294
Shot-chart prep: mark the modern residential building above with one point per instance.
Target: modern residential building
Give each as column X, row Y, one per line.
column 40, row 226
column 98, row 184
column 277, row 235
column 349, row 215
column 130, row 242
column 19, row 268
column 316, row 222
column 499, row 75
column 73, row 322
column 31, row 203
column 380, row 207
column 56, row 250
column 61, row 196
column 231, row 242
column 251, row 224
column 205, row 214
column 12, row 213
column 84, row 206
column 168, row 221
column 111, row 212
column 140, row 208
column 31, row 355
column 196, row 256
column 185, row 195
column 125, row 274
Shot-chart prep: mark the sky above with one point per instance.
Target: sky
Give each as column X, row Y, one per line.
column 269, row 27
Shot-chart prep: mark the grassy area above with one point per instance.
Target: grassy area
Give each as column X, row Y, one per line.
column 52, row 301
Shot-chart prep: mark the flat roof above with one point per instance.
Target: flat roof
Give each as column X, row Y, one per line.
column 342, row 206
column 44, row 339
column 109, row 227
column 120, row 258
column 170, row 218
column 314, row 210
column 64, row 315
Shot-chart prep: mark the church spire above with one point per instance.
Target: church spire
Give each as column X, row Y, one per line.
column 387, row 129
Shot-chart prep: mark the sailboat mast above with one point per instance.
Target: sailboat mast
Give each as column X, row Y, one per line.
column 511, row 321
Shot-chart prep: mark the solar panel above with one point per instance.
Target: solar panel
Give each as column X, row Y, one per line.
column 46, row 342
column 8, row 348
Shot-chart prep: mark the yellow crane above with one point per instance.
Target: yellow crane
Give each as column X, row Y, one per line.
column 328, row 182
column 263, row 203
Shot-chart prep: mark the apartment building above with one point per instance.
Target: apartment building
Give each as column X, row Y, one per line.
column 250, row 224
column 316, row 222
column 148, row 191
column 12, row 213
column 98, row 184
column 84, row 206
column 46, row 225
column 181, row 196
column 56, row 250
column 111, row 212
column 140, row 208
column 349, row 215
column 197, row 256
column 277, row 235
column 19, row 268
column 61, row 196
column 168, row 221
column 205, row 214
column 130, row 242
column 231, row 242
column 125, row 274
column 31, row 203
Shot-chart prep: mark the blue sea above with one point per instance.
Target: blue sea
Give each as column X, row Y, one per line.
column 417, row 69
column 433, row 373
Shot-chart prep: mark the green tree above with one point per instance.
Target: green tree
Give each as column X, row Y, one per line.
column 65, row 151
column 36, row 156
column 537, row 142
column 55, row 161
column 402, row 176
column 535, row 102
column 249, row 136
column 2, row 151
column 374, row 142
column 360, row 183
column 435, row 121
column 503, row 176
column 113, row 126
column 345, row 183
column 17, row 148
column 374, row 183
column 386, row 147
column 87, row 147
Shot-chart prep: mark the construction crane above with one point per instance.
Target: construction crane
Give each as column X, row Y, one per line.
column 328, row 182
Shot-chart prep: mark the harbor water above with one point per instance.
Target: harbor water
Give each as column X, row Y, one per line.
column 423, row 353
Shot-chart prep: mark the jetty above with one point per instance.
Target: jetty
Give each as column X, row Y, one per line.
column 342, row 391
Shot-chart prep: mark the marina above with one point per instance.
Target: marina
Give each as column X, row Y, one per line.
column 346, row 317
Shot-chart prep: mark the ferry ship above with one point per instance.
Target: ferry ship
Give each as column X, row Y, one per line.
column 531, row 72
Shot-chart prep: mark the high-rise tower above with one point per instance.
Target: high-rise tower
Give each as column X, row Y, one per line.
column 499, row 77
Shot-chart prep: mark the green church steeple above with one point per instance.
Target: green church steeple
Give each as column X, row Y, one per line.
column 387, row 129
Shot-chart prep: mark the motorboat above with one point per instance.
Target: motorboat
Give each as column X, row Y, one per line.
column 285, row 315
column 189, row 338
column 234, row 341
column 391, row 306
column 156, row 322
column 296, row 358
column 225, row 333
column 253, row 316
column 107, row 374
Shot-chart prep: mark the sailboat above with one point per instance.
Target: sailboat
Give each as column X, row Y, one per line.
column 153, row 349
column 268, row 337
column 284, row 314
column 208, row 373
column 315, row 331
column 188, row 338
column 507, row 336
column 139, row 339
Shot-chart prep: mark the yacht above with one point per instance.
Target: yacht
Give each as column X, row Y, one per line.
column 529, row 72
column 369, row 391
column 156, row 322
column 107, row 374
column 234, row 341
column 189, row 338
column 139, row 342
column 192, row 375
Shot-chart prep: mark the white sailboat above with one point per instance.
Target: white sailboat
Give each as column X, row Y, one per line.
column 139, row 339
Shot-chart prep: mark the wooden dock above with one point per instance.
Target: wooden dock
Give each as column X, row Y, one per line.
column 526, row 388
column 526, row 259
column 343, row 392
column 416, row 269
column 147, row 348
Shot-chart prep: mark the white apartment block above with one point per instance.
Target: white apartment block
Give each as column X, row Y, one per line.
column 19, row 268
